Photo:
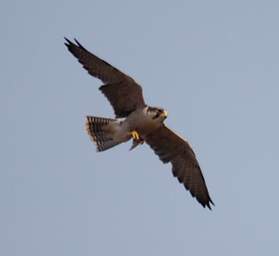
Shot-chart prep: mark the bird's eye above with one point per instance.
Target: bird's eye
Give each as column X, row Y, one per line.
column 156, row 116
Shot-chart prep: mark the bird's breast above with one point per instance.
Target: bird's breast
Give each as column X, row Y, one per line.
column 141, row 122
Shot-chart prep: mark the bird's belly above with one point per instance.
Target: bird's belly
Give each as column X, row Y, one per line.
column 120, row 131
column 139, row 122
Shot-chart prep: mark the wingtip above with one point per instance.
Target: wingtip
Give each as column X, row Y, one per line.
column 208, row 204
column 68, row 42
column 72, row 45
column 79, row 44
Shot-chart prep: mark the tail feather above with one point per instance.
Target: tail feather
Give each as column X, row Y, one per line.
column 100, row 131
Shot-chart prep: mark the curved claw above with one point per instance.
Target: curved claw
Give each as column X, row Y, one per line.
column 135, row 135
column 137, row 140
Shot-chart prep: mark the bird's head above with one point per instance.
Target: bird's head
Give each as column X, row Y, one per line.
column 157, row 114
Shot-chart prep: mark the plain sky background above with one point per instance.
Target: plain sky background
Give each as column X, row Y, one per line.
column 212, row 64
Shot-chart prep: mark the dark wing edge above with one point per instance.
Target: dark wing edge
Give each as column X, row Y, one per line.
column 172, row 148
column 123, row 93
column 94, row 65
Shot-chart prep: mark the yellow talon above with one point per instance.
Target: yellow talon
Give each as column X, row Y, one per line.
column 135, row 135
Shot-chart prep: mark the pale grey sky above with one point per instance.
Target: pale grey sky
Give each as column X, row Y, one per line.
column 212, row 64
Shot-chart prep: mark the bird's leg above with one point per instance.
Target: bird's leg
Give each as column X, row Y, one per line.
column 135, row 135
column 137, row 140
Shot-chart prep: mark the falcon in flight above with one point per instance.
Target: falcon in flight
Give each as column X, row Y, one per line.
column 137, row 121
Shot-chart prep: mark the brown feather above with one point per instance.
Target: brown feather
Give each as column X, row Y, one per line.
column 123, row 97
column 172, row 148
column 124, row 94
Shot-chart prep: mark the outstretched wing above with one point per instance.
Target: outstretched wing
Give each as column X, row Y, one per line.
column 172, row 148
column 124, row 94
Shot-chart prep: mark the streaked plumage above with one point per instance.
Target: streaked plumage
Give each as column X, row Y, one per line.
column 135, row 120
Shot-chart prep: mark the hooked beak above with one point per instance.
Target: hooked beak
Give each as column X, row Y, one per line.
column 165, row 114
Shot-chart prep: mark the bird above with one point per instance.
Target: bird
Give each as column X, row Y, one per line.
column 135, row 120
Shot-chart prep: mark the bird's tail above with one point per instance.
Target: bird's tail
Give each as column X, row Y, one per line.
column 101, row 131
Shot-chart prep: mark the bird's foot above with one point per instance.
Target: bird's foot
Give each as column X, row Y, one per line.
column 137, row 140
column 135, row 135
